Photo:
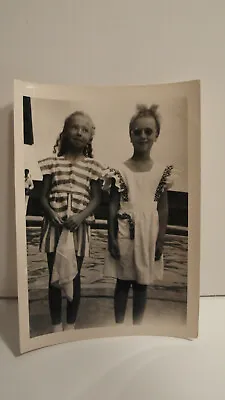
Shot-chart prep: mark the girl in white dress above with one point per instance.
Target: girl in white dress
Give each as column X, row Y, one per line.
column 138, row 213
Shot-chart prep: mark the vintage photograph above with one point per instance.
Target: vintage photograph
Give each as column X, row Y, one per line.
column 106, row 197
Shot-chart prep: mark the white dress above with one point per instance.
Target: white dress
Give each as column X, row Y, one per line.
column 139, row 195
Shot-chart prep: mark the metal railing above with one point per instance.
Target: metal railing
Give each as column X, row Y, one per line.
column 32, row 221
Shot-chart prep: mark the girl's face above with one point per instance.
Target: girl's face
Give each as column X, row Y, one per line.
column 144, row 134
column 79, row 132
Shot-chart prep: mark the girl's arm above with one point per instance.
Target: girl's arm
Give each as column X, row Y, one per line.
column 48, row 211
column 163, row 212
column 46, row 186
column 114, row 205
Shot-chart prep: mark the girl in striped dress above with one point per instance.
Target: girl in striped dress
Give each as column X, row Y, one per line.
column 72, row 178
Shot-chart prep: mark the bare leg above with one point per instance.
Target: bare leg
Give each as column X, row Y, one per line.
column 120, row 299
column 54, row 297
column 139, row 302
column 73, row 306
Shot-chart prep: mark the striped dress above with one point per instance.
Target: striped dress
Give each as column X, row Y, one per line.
column 70, row 181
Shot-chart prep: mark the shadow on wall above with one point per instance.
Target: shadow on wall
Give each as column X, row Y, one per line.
column 178, row 206
column 8, row 281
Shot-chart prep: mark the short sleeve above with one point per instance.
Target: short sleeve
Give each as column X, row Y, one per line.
column 118, row 180
column 107, row 175
column 168, row 177
column 100, row 172
column 166, row 181
column 47, row 166
column 97, row 170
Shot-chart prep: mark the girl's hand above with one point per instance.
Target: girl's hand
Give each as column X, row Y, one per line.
column 55, row 219
column 158, row 250
column 73, row 222
column 114, row 249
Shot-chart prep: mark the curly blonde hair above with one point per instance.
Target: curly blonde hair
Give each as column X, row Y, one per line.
column 61, row 147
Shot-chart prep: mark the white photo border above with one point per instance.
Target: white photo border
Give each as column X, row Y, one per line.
column 190, row 90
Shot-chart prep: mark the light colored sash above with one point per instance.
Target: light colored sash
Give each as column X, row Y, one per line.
column 65, row 266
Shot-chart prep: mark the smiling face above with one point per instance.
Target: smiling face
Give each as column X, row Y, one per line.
column 79, row 132
column 143, row 134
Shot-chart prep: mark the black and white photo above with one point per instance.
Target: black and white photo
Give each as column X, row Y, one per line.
column 111, row 224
